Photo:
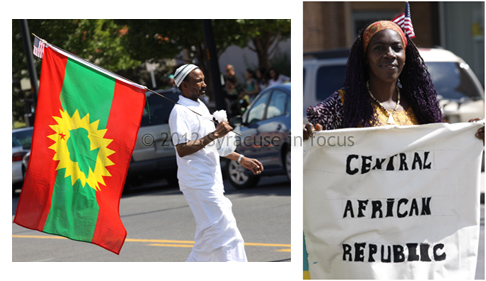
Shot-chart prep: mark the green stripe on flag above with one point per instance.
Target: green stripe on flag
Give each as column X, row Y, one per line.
column 88, row 91
column 74, row 210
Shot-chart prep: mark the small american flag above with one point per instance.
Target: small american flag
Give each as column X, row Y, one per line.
column 39, row 47
column 405, row 21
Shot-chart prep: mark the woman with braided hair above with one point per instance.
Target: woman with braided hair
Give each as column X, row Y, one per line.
column 386, row 82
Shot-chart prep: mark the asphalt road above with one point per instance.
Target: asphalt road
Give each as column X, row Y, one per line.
column 481, row 263
column 161, row 227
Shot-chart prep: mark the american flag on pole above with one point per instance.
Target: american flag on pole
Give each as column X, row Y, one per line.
column 39, row 46
column 405, row 21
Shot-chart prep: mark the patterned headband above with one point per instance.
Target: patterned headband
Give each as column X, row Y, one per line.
column 182, row 72
column 378, row 26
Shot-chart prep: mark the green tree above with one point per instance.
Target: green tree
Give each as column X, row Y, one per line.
column 97, row 41
column 265, row 35
column 168, row 38
column 159, row 39
column 122, row 46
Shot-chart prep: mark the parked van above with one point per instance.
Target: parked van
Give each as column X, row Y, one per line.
column 461, row 95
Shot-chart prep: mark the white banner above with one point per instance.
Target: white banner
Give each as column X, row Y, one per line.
column 394, row 202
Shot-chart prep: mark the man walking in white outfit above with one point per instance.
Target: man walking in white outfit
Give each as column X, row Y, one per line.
column 217, row 237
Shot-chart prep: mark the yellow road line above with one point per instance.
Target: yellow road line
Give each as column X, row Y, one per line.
column 283, row 250
column 171, row 245
column 267, row 245
column 157, row 242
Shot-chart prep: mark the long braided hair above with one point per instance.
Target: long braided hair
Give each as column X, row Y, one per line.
column 417, row 88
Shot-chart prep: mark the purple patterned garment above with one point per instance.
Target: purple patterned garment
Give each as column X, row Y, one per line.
column 329, row 113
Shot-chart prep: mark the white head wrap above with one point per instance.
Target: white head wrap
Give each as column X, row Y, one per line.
column 182, row 72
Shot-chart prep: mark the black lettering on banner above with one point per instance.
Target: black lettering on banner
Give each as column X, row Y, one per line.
column 361, row 207
column 359, row 254
column 388, row 258
column 426, row 166
column 376, row 208
column 347, row 252
column 366, row 163
column 438, row 257
column 390, row 166
column 400, row 202
column 405, row 207
column 416, row 160
column 412, row 252
column 426, row 206
column 389, row 207
column 424, row 252
column 373, row 250
column 414, row 208
column 378, row 163
column 403, row 162
column 348, row 164
column 397, row 253
column 348, row 208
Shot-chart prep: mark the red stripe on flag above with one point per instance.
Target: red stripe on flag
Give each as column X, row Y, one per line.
column 123, row 125
column 35, row 199
column 399, row 19
column 405, row 22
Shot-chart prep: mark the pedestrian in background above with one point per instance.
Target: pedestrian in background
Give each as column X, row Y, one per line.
column 276, row 78
column 230, row 73
column 232, row 96
column 251, row 86
column 262, row 78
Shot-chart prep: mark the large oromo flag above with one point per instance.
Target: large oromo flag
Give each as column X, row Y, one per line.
column 394, row 202
column 85, row 130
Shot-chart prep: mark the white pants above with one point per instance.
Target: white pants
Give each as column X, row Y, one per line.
column 217, row 237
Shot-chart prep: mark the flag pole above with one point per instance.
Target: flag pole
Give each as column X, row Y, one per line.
column 31, row 67
column 121, row 77
column 114, row 75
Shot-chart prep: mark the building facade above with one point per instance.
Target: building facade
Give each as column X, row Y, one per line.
column 456, row 26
